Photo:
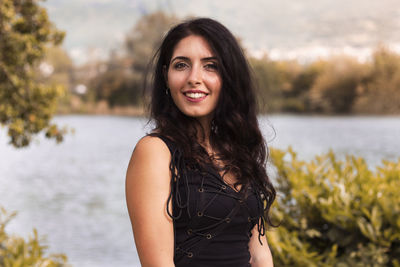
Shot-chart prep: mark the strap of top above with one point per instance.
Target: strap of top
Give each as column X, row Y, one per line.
column 178, row 179
column 167, row 141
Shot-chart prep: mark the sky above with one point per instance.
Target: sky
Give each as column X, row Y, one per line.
column 303, row 29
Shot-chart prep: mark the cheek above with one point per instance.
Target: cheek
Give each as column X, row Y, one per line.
column 214, row 83
column 176, row 80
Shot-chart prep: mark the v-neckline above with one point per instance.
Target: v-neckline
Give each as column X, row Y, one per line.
column 221, row 179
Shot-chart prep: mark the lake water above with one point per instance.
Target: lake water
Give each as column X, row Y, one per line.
column 73, row 193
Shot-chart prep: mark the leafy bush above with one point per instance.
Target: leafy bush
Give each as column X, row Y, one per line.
column 16, row 252
column 335, row 212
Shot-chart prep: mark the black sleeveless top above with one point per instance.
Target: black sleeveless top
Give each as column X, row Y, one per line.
column 212, row 221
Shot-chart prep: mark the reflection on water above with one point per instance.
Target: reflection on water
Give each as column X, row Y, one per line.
column 74, row 192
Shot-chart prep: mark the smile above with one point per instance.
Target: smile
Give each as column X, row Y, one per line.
column 195, row 97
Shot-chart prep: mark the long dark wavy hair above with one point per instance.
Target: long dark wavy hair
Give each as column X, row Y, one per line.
column 235, row 133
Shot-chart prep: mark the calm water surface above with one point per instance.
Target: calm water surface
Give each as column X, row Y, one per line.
column 74, row 194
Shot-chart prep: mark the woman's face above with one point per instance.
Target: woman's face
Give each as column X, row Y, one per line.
column 194, row 79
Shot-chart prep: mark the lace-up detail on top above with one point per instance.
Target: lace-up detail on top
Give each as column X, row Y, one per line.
column 212, row 221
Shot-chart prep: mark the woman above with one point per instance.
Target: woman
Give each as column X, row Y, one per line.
column 196, row 186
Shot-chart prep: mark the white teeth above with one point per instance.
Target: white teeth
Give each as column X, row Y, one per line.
column 195, row 95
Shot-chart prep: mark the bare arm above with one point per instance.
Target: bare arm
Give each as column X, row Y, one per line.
column 260, row 254
column 147, row 190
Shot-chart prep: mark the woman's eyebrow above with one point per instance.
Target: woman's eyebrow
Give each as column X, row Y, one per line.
column 180, row 58
column 208, row 58
column 188, row 59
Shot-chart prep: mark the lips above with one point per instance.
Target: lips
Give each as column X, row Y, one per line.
column 195, row 91
column 195, row 95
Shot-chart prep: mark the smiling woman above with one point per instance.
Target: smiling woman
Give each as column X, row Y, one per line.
column 193, row 79
column 196, row 187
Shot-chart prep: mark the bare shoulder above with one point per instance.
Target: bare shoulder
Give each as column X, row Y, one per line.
column 150, row 157
column 148, row 175
column 151, row 144
column 147, row 190
column 151, row 148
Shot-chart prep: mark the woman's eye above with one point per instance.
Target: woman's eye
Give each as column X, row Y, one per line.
column 179, row 65
column 212, row 66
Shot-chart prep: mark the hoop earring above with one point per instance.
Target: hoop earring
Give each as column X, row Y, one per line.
column 167, row 91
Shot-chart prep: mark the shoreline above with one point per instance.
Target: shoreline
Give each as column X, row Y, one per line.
column 141, row 112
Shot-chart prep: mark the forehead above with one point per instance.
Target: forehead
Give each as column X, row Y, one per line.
column 193, row 46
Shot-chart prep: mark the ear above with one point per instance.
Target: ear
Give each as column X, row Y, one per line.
column 165, row 73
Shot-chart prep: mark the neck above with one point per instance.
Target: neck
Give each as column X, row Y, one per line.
column 206, row 125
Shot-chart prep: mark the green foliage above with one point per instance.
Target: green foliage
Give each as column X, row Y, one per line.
column 145, row 37
column 381, row 92
column 284, row 85
column 117, row 87
column 335, row 212
column 61, row 66
column 270, row 84
column 121, row 83
column 335, row 85
column 57, row 69
column 16, row 252
column 26, row 105
column 335, row 89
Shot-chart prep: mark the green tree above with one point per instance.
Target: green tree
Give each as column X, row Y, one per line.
column 298, row 98
column 145, row 37
column 335, row 89
column 56, row 68
column 121, row 83
column 118, row 86
column 275, row 82
column 381, row 91
column 26, row 105
column 269, row 84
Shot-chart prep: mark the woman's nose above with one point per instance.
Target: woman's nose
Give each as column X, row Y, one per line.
column 194, row 76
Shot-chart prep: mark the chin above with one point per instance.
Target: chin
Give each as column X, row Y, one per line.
column 194, row 114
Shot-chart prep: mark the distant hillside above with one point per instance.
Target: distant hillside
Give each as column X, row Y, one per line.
column 285, row 28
